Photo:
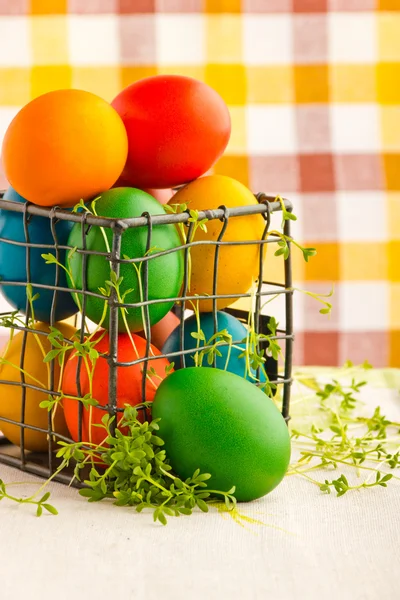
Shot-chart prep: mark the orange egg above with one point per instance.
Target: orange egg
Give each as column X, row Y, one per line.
column 64, row 146
column 237, row 265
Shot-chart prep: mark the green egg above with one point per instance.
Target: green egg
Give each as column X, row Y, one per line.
column 224, row 425
column 165, row 272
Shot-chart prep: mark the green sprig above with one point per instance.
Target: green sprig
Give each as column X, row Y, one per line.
column 138, row 474
column 41, row 504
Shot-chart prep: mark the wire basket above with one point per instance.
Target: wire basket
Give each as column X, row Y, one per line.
column 45, row 464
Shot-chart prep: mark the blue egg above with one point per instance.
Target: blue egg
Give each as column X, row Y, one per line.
column 225, row 321
column 13, row 262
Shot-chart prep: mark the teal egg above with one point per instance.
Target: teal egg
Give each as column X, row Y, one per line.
column 13, row 262
column 234, row 362
column 222, row 424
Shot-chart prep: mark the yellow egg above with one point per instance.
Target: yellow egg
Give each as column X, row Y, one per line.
column 237, row 265
column 36, row 373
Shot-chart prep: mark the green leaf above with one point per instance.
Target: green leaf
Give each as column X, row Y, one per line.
column 336, row 429
column 72, row 252
column 203, row 225
column 51, row 355
column 184, row 510
column 39, row 510
column 49, row 258
column 87, row 492
column 93, row 354
column 157, row 441
column 202, row 477
column 201, row 504
column 198, row 335
column 168, row 511
column 46, row 404
column 105, row 419
column 162, row 518
column 118, row 456
column 210, row 357
column 203, row 495
column 51, row 509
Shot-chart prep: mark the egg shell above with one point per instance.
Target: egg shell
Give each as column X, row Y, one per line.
column 177, row 129
column 162, row 330
column 13, row 262
column 165, row 273
column 129, row 385
column 63, row 146
column 163, row 196
column 220, row 423
column 224, row 321
column 36, row 371
column 238, row 266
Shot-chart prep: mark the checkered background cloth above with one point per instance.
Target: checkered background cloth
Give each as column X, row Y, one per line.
column 313, row 87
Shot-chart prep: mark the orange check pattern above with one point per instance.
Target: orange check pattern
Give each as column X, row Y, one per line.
column 314, row 91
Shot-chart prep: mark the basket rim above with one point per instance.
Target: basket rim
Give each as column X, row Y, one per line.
column 264, row 203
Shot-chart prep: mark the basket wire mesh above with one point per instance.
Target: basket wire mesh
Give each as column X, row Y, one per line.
column 46, row 464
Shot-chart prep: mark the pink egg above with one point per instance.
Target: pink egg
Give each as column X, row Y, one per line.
column 162, row 330
column 163, row 196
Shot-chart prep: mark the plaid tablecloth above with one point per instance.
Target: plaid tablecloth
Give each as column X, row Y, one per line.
column 314, row 91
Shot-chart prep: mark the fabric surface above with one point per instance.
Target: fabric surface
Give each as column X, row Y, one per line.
column 311, row 546
column 313, row 89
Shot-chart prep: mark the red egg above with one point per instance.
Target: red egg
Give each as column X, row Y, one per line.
column 177, row 129
column 129, row 386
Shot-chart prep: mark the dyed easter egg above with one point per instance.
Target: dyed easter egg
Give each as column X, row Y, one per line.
column 64, row 146
column 129, row 386
column 231, row 360
column 237, row 265
column 163, row 329
column 177, row 129
column 36, row 374
column 13, row 262
column 165, row 273
column 220, row 423
column 163, row 196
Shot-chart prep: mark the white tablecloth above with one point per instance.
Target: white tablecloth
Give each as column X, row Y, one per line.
column 313, row 546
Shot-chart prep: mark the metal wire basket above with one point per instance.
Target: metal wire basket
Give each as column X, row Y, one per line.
column 45, row 464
